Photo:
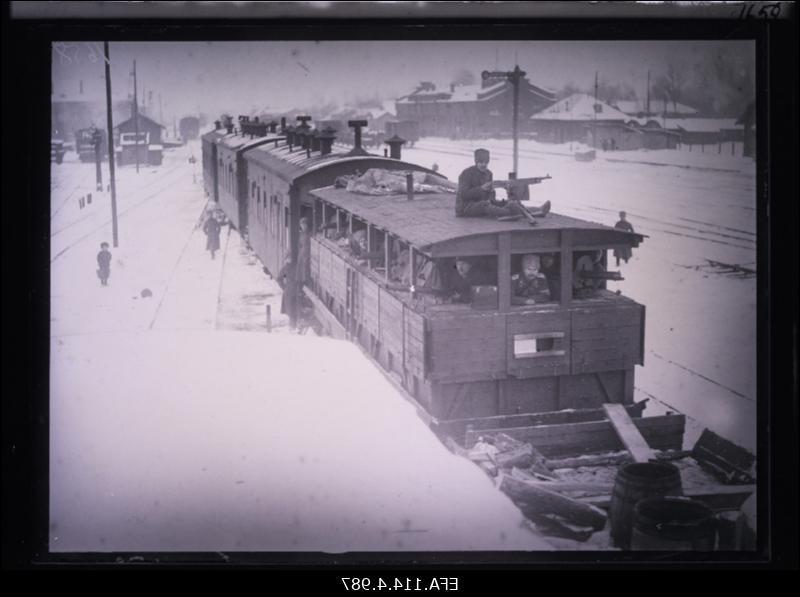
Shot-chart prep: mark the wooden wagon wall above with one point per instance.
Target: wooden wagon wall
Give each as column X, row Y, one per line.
column 389, row 330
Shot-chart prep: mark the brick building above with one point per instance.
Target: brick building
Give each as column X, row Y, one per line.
column 479, row 110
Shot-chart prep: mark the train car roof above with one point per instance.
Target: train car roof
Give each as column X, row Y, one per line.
column 214, row 135
column 241, row 143
column 292, row 165
column 429, row 223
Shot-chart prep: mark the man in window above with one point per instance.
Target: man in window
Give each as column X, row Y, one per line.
column 529, row 287
column 467, row 275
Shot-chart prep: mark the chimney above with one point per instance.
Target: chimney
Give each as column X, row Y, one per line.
column 394, row 144
column 326, row 138
column 283, row 123
column 356, row 126
column 314, row 136
column 409, row 186
column 217, row 125
column 272, row 124
column 290, row 137
column 301, row 131
column 229, row 126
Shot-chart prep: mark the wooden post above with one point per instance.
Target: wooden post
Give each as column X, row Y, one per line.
column 504, row 272
column 386, row 240
column 411, row 269
column 566, row 268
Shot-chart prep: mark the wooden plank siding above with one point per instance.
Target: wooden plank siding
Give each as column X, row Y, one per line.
column 470, row 348
column 606, row 339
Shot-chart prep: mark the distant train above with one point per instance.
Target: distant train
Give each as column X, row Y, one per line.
column 486, row 357
column 189, row 127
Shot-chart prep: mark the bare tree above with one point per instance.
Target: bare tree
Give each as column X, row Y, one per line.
column 670, row 86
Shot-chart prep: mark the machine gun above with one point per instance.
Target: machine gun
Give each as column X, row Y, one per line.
column 600, row 275
column 514, row 182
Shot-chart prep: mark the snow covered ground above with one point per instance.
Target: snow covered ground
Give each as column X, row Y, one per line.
column 178, row 423
column 174, row 426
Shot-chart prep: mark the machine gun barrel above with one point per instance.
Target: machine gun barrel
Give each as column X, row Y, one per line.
column 592, row 275
column 502, row 184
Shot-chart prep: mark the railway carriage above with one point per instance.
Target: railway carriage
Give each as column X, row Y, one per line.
column 280, row 177
column 460, row 362
column 487, row 358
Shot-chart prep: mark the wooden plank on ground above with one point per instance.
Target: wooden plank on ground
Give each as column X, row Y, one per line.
column 534, row 500
column 628, row 433
column 661, row 432
column 724, row 459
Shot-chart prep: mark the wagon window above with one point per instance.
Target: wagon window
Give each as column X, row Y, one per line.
column 545, row 344
column 535, row 278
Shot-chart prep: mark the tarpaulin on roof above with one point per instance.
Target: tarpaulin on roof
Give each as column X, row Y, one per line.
column 377, row 181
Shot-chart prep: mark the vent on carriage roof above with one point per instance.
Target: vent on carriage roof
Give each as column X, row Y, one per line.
column 356, row 125
column 394, row 144
column 326, row 139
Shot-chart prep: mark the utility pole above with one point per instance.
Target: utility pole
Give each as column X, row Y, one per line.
column 514, row 76
column 136, row 117
column 110, row 119
column 97, row 140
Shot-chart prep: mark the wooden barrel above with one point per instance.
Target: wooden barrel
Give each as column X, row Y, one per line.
column 634, row 482
column 673, row 524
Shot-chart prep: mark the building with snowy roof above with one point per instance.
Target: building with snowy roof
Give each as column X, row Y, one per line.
column 470, row 110
column 571, row 119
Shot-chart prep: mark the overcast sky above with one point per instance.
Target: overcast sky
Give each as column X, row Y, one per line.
column 240, row 76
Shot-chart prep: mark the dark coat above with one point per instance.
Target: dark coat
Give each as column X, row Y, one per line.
column 104, row 263
column 287, row 278
column 462, row 286
column 212, row 228
column 469, row 188
column 303, row 257
column 624, row 252
column 523, row 288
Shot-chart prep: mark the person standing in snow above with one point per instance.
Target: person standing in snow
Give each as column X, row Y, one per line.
column 104, row 264
column 287, row 278
column 624, row 252
column 212, row 228
column 303, row 254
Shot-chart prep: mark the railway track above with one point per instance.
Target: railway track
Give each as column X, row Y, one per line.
column 122, row 212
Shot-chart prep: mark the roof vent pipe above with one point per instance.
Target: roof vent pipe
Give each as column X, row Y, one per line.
column 326, row 138
column 394, row 144
column 356, row 125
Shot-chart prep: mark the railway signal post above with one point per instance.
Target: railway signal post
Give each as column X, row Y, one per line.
column 514, row 76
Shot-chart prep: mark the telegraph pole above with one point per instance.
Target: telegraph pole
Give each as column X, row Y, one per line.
column 514, row 76
column 136, row 117
column 97, row 140
column 110, row 119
